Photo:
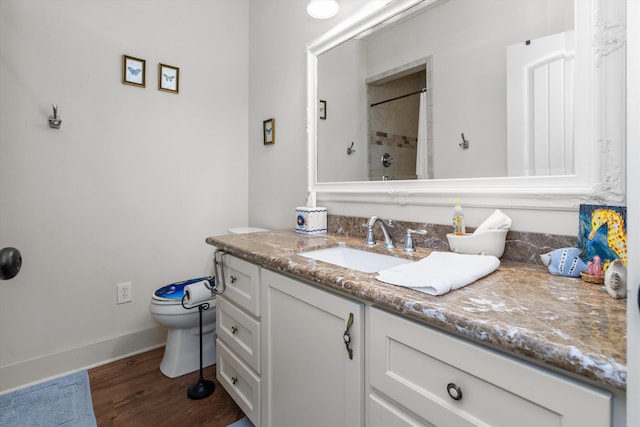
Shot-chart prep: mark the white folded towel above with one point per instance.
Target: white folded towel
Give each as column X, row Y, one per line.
column 497, row 221
column 440, row 272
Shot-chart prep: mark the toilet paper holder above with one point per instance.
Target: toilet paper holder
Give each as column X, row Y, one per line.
column 202, row 388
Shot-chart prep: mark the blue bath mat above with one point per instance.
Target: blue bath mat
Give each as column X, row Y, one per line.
column 64, row 401
column 243, row 422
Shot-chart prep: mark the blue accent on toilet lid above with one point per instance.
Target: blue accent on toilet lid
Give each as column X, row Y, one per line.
column 176, row 290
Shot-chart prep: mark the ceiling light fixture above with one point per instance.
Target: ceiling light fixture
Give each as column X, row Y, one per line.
column 323, row 9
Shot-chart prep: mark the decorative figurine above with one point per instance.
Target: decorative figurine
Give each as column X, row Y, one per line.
column 564, row 262
column 615, row 280
column 595, row 267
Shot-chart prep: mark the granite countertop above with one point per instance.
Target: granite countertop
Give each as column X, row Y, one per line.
column 519, row 309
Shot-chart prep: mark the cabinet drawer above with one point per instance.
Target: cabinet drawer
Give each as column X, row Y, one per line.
column 383, row 413
column 240, row 332
column 242, row 283
column 237, row 379
column 414, row 364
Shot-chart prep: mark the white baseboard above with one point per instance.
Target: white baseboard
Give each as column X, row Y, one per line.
column 21, row 374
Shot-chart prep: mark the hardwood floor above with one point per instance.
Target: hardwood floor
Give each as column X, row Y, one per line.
column 133, row 392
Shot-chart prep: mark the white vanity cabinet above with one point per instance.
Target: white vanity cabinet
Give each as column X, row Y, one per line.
column 292, row 354
column 312, row 378
column 238, row 353
column 420, row 376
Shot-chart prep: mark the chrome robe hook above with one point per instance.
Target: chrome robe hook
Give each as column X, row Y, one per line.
column 55, row 121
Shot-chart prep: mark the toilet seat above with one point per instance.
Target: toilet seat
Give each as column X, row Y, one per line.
column 172, row 294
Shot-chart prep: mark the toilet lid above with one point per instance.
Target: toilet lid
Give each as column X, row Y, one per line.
column 175, row 291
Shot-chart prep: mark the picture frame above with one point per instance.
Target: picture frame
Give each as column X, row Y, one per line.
column 322, row 108
column 269, row 131
column 133, row 71
column 168, row 78
column 602, row 231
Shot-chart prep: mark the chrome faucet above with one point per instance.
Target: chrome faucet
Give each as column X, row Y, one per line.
column 370, row 241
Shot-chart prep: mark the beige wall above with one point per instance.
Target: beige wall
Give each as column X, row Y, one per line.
column 133, row 182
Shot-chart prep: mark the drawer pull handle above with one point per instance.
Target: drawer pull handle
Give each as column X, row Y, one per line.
column 232, row 279
column 454, row 391
column 234, row 380
column 234, row 330
column 347, row 336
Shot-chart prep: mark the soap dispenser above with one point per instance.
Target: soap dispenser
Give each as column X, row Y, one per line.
column 458, row 219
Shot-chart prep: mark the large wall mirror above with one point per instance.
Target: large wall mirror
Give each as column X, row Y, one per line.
column 517, row 104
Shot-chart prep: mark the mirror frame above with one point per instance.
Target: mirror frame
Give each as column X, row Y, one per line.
column 600, row 121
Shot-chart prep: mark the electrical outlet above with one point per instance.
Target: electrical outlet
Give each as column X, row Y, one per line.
column 124, row 293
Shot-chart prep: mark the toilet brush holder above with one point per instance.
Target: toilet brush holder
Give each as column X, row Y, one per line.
column 203, row 388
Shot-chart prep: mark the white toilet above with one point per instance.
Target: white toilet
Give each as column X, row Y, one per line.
column 182, row 350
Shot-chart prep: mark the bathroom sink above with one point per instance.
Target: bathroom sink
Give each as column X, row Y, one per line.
column 367, row 262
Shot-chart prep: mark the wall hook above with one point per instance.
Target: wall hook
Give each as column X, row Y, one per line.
column 350, row 150
column 465, row 142
column 55, row 121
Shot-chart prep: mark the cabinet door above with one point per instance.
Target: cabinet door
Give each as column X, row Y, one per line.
column 310, row 379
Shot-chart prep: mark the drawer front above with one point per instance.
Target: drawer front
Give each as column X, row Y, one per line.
column 238, row 380
column 239, row 331
column 415, row 365
column 242, row 281
column 383, row 413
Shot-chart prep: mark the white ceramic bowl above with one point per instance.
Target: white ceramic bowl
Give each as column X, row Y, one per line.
column 490, row 242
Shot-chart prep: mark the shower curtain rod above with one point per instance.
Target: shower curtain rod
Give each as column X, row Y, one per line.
column 424, row 89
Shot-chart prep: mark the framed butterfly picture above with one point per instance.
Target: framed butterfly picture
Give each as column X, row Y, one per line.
column 168, row 78
column 269, row 131
column 133, row 71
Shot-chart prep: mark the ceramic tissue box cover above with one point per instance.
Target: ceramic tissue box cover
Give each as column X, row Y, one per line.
column 311, row 220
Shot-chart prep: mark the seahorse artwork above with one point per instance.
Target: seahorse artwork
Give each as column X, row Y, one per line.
column 616, row 233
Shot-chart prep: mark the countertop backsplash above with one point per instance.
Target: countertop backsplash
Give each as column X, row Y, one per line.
column 520, row 246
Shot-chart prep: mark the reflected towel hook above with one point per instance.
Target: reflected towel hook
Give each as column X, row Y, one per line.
column 465, row 142
column 350, row 150
column 55, row 121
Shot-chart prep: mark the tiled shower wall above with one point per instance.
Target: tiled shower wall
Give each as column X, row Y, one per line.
column 394, row 126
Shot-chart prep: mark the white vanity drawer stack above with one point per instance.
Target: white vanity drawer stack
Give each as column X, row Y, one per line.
column 238, row 330
column 417, row 370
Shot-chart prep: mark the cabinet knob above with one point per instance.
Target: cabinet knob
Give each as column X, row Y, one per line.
column 232, row 279
column 234, row 330
column 455, row 392
column 234, row 380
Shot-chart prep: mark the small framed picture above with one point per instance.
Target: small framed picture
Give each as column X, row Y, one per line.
column 269, row 131
column 323, row 110
column 168, row 78
column 133, row 71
